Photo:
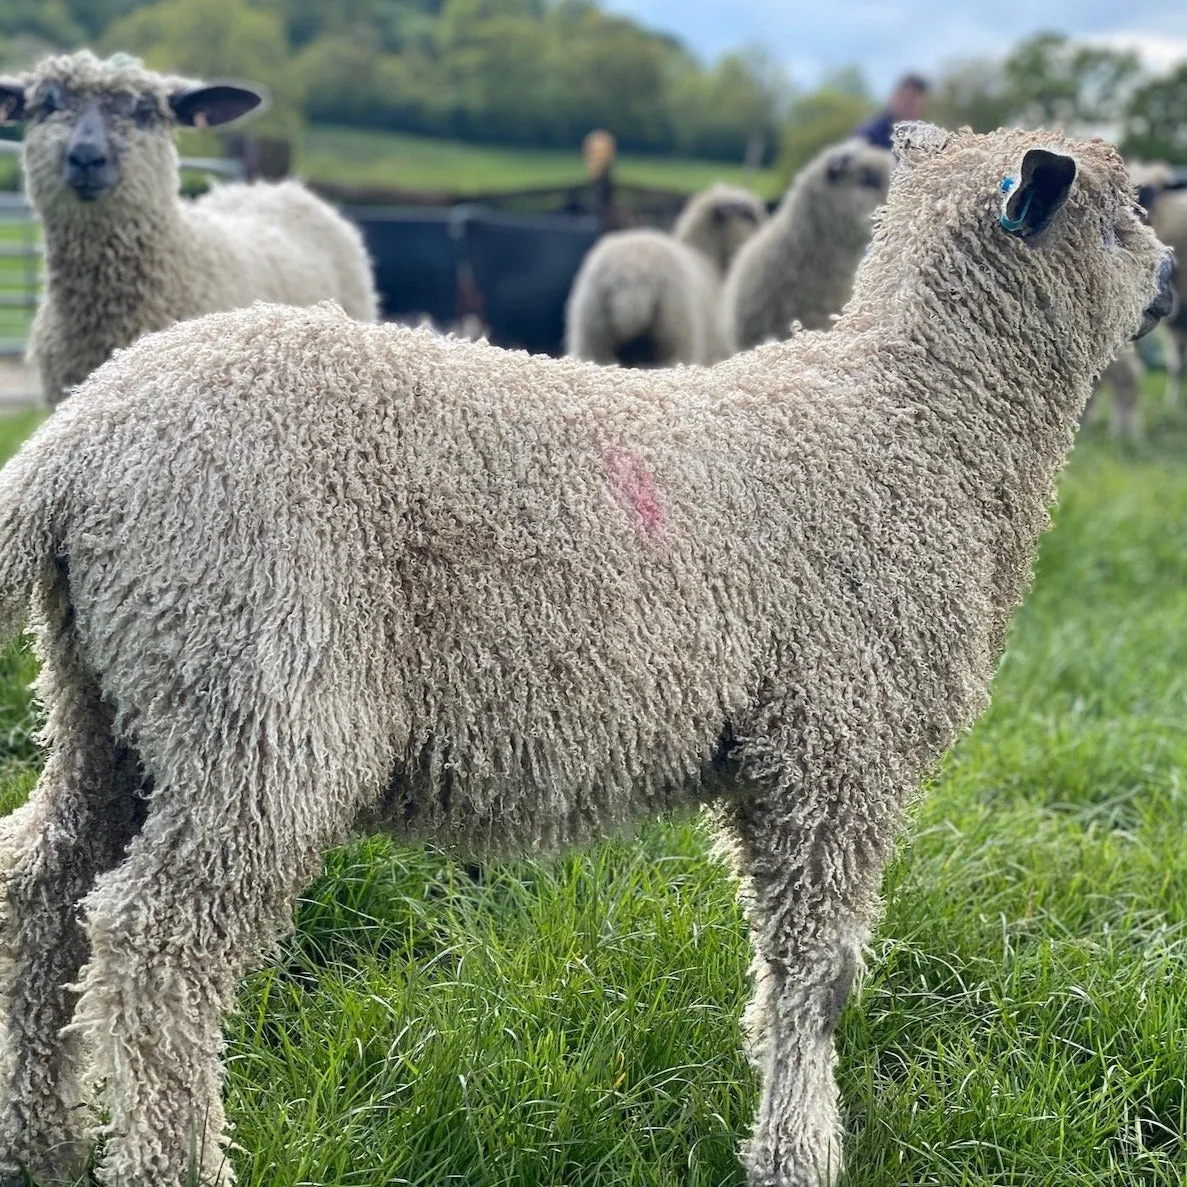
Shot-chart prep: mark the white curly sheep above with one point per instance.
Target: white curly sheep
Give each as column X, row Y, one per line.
column 124, row 255
column 800, row 266
column 293, row 575
column 642, row 298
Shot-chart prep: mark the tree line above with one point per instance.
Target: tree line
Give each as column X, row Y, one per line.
column 1046, row 80
column 525, row 72
column 544, row 72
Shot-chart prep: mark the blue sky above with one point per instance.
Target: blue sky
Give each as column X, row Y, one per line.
column 888, row 38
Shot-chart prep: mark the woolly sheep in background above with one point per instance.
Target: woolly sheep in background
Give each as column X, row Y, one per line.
column 1167, row 212
column 643, row 298
column 800, row 266
column 124, row 254
column 292, row 576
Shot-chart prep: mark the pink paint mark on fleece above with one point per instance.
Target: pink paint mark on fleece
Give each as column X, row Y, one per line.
column 634, row 488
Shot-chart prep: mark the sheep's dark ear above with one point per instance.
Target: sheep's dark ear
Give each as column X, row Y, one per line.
column 12, row 102
column 210, row 106
column 1147, row 195
column 1043, row 187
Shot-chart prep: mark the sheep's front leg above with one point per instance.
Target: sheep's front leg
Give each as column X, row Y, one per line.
column 809, row 887
column 76, row 824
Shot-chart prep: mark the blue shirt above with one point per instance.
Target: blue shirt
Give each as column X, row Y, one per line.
column 877, row 129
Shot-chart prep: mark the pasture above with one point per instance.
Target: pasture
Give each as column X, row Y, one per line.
column 367, row 157
column 1023, row 1022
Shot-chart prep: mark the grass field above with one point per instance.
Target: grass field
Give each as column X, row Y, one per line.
column 1023, row 1022
column 18, row 276
column 353, row 156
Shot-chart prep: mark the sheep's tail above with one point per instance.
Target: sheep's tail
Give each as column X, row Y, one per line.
column 32, row 496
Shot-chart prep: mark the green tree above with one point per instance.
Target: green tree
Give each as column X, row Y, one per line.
column 716, row 112
column 1156, row 120
column 815, row 121
column 1054, row 82
column 216, row 39
column 973, row 93
column 609, row 73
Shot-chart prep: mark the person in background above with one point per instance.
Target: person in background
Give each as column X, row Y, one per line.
column 906, row 102
column 599, row 149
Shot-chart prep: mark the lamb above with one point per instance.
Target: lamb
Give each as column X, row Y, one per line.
column 124, row 254
column 642, row 298
column 292, row 576
column 800, row 266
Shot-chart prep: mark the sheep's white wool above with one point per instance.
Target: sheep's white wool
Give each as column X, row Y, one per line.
column 142, row 258
column 292, row 575
column 800, row 267
column 644, row 298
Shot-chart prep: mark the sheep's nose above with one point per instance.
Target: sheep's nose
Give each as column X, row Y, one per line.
column 87, row 154
column 1164, row 302
column 90, row 166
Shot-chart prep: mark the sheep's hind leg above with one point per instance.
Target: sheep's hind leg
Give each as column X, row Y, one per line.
column 809, row 887
column 206, row 888
column 79, row 819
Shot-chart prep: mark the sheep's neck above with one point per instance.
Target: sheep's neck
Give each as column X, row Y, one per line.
column 109, row 275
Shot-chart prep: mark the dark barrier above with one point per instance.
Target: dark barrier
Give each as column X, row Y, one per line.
column 415, row 258
column 513, row 270
column 522, row 267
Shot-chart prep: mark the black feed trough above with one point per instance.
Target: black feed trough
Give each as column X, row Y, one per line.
column 522, row 267
column 513, row 270
column 415, row 259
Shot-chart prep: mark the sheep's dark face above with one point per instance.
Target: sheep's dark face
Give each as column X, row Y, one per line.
column 100, row 137
column 850, row 182
column 734, row 222
column 718, row 221
column 85, row 144
column 1035, row 238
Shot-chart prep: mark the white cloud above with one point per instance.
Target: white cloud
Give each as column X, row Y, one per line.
column 1159, row 53
column 886, row 37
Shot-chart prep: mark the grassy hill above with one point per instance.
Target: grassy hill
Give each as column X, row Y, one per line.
column 352, row 156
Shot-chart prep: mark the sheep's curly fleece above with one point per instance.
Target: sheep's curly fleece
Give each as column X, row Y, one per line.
column 294, row 575
column 800, row 266
column 648, row 298
column 143, row 258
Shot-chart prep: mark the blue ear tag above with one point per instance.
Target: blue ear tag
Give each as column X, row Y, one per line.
column 1013, row 224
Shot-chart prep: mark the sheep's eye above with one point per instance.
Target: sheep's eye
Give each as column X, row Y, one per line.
column 146, row 112
column 52, row 99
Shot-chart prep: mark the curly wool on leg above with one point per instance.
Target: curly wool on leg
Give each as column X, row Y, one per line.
column 80, row 818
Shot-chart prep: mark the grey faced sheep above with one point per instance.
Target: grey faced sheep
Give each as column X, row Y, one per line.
column 292, row 575
column 800, row 266
column 1167, row 211
column 124, row 255
column 643, row 298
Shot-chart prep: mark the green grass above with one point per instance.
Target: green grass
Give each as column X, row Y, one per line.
column 353, row 156
column 1023, row 1022
column 18, row 276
